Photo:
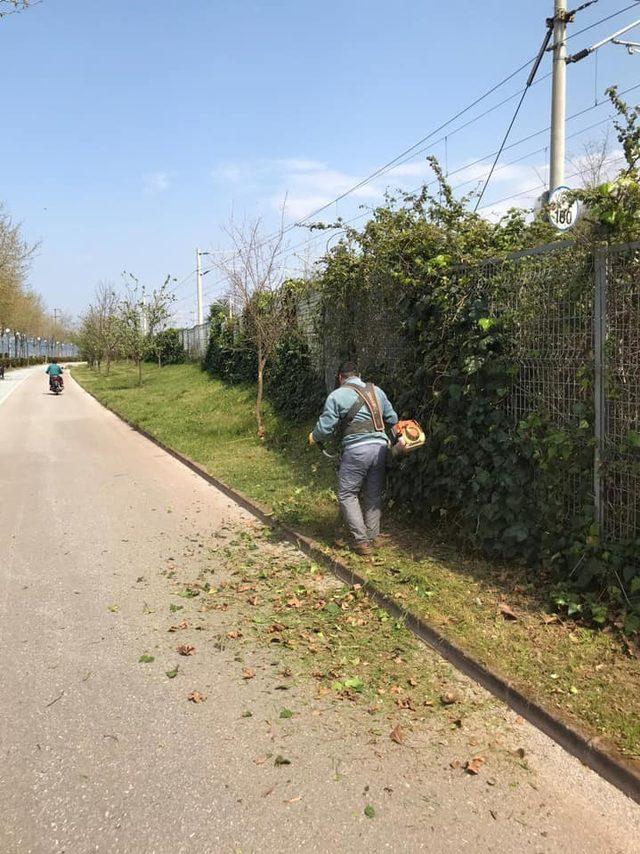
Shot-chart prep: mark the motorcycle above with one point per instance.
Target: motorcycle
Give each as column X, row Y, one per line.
column 56, row 385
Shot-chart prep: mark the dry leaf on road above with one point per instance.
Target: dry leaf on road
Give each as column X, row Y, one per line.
column 507, row 612
column 196, row 697
column 397, row 734
column 186, row 649
column 474, row 765
column 248, row 673
column 183, row 625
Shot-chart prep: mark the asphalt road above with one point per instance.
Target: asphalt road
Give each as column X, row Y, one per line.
column 101, row 752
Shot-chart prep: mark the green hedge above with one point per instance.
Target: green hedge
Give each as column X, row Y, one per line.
column 24, row 362
column 166, row 348
column 291, row 383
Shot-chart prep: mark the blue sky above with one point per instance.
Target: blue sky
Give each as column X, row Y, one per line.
column 134, row 127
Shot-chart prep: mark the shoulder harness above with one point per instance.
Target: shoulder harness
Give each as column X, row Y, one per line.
column 368, row 397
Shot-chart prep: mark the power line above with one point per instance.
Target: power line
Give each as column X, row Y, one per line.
column 395, row 161
column 530, row 79
column 602, row 21
column 382, row 169
column 209, row 292
column 539, row 186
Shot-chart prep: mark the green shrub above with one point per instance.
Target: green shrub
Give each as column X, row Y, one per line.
column 292, row 385
column 166, row 348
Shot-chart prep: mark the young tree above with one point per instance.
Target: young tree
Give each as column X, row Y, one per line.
column 106, row 306
column 255, row 274
column 141, row 315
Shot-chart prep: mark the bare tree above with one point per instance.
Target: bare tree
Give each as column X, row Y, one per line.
column 12, row 7
column 104, row 314
column 592, row 164
column 255, row 274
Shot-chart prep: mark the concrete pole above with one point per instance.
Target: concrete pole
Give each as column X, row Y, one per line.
column 200, row 319
column 558, row 96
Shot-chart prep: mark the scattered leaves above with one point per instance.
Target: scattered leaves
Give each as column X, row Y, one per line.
column 196, row 697
column 146, row 659
column 286, row 713
column 173, row 673
column 281, row 760
column 186, row 649
column 248, row 673
column 369, row 811
column 179, row 626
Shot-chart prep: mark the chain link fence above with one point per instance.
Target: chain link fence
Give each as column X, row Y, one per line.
column 195, row 341
column 619, row 442
column 574, row 317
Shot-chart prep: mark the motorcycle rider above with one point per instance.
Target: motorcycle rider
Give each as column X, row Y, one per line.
column 55, row 370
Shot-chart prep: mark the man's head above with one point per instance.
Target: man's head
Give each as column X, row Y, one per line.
column 54, row 361
column 345, row 371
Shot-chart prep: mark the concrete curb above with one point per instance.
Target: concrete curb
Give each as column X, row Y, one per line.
column 609, row 765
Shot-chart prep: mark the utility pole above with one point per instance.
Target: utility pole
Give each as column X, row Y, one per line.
column 199, row 286
column 558, row 95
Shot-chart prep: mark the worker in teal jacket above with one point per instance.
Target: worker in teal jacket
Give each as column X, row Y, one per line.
column 365, row 445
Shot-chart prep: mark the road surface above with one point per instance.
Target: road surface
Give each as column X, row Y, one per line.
column 101, row 752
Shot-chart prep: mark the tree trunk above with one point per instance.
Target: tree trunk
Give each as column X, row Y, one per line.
column 108, row 364
column 261, row 364
column 139, row 372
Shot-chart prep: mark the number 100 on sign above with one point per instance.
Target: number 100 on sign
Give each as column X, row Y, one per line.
column 563, row 213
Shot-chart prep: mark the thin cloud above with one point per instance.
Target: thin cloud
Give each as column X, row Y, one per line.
column 156, row 182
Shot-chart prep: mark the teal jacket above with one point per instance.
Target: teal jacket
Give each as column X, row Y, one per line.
column 54, row 370
column 336, row 407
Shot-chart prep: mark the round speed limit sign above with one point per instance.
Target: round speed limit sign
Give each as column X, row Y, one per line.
column 563, row 213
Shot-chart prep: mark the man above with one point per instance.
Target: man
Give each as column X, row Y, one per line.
column 55, row 370
column 364, row 442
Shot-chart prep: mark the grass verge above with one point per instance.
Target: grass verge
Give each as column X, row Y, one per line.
column 497, row 613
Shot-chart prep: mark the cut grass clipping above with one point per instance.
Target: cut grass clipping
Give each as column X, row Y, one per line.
column 586, row 675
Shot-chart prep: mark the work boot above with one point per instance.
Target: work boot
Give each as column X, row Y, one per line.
column 363, row 549
column 380, row 541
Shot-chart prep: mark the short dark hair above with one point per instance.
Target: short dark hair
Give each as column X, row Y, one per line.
column 347, row 369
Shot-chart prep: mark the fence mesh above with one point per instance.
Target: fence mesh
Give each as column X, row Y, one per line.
column 550, row 297
column 367, row 327
column 195, row 341
column 547, row 298
column 621, row 451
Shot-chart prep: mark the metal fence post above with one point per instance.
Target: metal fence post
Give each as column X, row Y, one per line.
column 599, row 340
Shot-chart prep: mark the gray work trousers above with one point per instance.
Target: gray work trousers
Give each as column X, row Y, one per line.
column 360, row 484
